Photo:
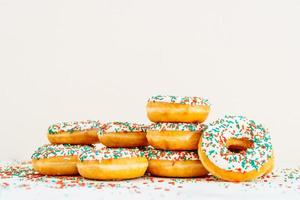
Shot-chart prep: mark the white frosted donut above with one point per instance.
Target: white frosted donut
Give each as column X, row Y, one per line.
column 255, row 155
column 166, row 108
column 123, row 134
column 174, row 163
column 78, row 132
column 57, row 159
column 175, row 136
column 112, row 163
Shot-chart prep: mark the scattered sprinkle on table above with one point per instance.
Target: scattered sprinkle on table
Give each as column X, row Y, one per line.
column 20, row 175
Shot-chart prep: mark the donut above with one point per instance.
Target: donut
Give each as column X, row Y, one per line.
column 174, row 136
column 122, row 134
column 112, row 163
column 82, row 132
column 181, row 164
column 235, row 148
column 177, row 109
column 58, row 159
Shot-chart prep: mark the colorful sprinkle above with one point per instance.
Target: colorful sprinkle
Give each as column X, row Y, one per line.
column 20, row 175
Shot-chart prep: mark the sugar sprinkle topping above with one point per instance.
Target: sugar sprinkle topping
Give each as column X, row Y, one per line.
column 121, row 127
column 49, row 151
column 195, row 101
column 193, row 127
column 156, row 154
column 105, row 153
column 73, row 126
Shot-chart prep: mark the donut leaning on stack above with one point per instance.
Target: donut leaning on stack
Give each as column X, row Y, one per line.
column 235, row 148
column 68, row 140
column 114, row 162
column 175, row 135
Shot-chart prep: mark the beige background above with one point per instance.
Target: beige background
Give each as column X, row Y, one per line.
column 72, row 60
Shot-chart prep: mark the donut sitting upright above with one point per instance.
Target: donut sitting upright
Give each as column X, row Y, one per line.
column 177, row 109
column 235, row 148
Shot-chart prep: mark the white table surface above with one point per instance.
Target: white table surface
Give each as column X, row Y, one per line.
column 19, row 181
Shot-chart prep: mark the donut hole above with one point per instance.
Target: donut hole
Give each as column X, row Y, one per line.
column 238, row 145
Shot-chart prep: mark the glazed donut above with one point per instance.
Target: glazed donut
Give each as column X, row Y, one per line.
column 237, row 149
column 181, row 164
column 57, row 159
column 175, row 136
column 112, row 163
column 177, row 109
column 122, row 134
column 82, row 132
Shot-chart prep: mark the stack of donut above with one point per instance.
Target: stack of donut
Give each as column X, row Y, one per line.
column 120, row 158
column 68, row 140
column 175, row 134
column 176, row 144
column 73, row 150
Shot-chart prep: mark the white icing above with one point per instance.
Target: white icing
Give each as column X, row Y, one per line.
column 176, row 127
column 179, row 99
